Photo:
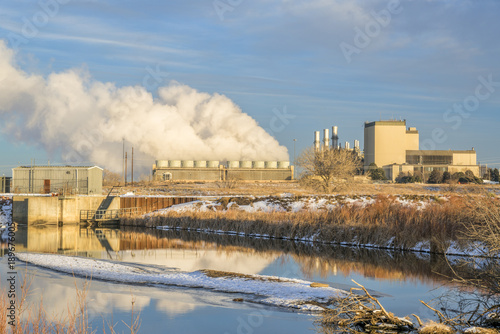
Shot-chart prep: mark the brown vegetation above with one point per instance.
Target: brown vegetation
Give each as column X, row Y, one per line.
column 476, row 312
column 321, row 168
column 386, row 223
column 32, row 317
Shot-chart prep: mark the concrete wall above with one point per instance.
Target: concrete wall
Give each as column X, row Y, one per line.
column 455, row 169
column 51, row 210
column 259, row 174
column 386, row 142
column 412, row 140
column 369, row 150
column 464, row 158
column 189, row 174
column 220, row 174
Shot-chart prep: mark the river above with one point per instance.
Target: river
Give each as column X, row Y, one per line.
column 399, row 279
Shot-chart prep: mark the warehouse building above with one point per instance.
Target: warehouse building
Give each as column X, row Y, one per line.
column 57, row 179
column 201, row 170
column 395, row 148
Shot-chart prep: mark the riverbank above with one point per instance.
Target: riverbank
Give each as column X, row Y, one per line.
column 424, row 223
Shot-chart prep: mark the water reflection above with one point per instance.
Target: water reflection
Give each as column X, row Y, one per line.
column 406, row 276
column 191, row 251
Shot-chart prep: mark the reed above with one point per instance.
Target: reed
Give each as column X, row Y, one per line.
column 386, row 222
column 32, row 317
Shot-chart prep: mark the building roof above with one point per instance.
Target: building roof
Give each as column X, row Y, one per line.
column 386, row 122
column 59, row 167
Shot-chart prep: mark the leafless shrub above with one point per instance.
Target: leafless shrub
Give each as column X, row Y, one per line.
column 230, row 182
column 111, row 179
column 332, row 168
column 360, row 314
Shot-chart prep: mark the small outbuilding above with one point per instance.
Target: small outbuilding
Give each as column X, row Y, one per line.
column 83, row 180
column 5, row 184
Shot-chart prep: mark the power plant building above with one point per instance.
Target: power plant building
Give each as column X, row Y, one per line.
column 246, row 170
column 395, row 148
column 57, row 179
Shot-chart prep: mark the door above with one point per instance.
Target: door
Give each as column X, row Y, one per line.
column 46, row 186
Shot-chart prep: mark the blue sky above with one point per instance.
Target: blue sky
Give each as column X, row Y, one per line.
column 276, row 57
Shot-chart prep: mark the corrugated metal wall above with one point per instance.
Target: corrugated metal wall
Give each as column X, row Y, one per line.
column 62, row 179
column 150, row 204
column 95, row 181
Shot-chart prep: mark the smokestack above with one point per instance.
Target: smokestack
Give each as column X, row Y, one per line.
column 356, row 145
column 347, row 145
column 316, row 141
column 326, row 140
column 335, row 137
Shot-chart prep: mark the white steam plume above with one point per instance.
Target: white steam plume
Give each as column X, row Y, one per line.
column 87, row 120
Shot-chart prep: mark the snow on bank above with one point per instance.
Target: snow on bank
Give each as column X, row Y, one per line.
column 287, row 203
column 5, row 216
column 291, row 293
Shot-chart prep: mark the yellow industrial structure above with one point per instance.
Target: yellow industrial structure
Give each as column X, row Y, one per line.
column 201, row 170
column 395, row 148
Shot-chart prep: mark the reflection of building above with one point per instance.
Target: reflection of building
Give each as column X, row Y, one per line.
column 395, row 148
column 61, row 179
column 189, row 170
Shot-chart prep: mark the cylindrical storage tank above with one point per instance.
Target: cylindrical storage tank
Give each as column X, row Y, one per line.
column 259, row 164
column 174, row 163
column 187, row 163
column 271, row 164
column 200, row 164
column 213, row 164
column 245, row 164
column 233, row 164
column 161, row 163
column 283, row 164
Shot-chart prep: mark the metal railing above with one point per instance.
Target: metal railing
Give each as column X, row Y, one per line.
column 108, row 215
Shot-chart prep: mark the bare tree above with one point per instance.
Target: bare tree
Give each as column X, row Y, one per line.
column 328, row 166
column 110, row 178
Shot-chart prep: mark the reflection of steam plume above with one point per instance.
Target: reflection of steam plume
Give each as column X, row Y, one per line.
column 87, row 120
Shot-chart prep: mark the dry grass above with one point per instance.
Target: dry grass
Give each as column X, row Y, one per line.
column 227, row 274
column 33, row 318
column 364, row 313
column 435, row 328
column 259, row 188
column 386, row 222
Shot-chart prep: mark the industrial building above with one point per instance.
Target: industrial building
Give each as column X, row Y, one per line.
column 201, row 170
column 395, row 148
column 57, row 179
column 5, row 182
column 335, row 141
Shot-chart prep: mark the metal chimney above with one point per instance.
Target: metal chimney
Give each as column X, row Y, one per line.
column 335, row 137
column 316, row 141
column 347, row 145
column 356, row 144
column 326, row 139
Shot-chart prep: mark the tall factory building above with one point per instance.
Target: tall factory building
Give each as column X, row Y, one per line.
column 394, row 147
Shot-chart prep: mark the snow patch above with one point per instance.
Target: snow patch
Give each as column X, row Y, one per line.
column 270, row 290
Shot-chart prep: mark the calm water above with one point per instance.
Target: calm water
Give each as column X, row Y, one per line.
column 400, row 279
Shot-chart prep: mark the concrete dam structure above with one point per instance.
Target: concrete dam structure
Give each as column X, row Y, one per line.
column 32, row 210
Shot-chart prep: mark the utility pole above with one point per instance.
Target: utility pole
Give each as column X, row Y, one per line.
column 294, row 140
column 132, row 166
column 123, row 162
column 125, row 168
